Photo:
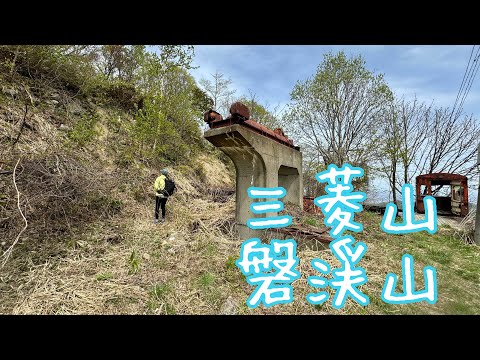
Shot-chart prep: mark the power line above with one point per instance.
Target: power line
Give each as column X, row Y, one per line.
column 467, row 81
column 463, row 81
column 469, row 85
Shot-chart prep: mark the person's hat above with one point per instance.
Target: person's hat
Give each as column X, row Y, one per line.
column 164, row 171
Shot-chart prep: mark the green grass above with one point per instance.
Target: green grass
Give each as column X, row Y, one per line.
column 84, row 130
column 160, row 291
column 206, row 280
column 211, row 250
column 134, row 262
column 312, row 222
column 458, row 308
column 230, row 263
column 158, row 298
column 104, row 276
column 210, row 293
column 456, row 264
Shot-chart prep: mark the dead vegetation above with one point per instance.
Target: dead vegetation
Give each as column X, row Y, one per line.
column 467, row 228
column 128, row 265
column 86, row 243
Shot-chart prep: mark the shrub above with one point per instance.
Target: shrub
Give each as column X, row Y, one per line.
column 84, row 130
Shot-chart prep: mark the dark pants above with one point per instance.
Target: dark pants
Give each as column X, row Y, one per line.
column 160, row 202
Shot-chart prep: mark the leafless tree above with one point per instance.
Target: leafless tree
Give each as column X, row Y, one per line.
column 450, row 145
column 220, row 92
column 388, row 152
column 420, row 139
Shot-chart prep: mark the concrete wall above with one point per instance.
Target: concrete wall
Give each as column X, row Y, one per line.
column 261, row 162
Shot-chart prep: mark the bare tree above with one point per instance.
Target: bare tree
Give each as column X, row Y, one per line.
column 219, row 91
column 389, row 149
column 450, row 145
column 262, row 113
column 414, row 129
column 404, row 131
column 419, row 139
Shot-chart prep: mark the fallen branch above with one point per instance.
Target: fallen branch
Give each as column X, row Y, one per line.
column 9, row 251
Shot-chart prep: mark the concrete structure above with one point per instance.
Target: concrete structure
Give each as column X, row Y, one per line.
column 259, row 161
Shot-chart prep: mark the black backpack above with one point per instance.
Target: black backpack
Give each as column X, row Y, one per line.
column 169, row 187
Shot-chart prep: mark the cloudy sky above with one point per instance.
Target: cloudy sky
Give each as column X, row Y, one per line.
column 432, row 73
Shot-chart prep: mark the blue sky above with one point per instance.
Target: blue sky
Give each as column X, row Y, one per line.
column 431, row 72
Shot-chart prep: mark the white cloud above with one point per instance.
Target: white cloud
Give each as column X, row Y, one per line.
column 430, row 72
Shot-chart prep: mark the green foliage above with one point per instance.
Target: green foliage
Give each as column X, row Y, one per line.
column 206, row 280
column 335, row 112
column 84, row 130
column 158, row 295
column 201, row 101
column 104, row 276
column 165, row 129
column 149, row 82
column 177, row 56
column 119, row 62
column 311, row 221
column 163, row 102
column 119, row 93
column 69, row 66
column 133, row 262
column 230, row 263
column 160, row 291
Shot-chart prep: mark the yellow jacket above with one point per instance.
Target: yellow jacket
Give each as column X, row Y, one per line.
column 159, row 183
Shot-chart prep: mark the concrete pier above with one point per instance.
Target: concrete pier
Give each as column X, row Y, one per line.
column 259, row 161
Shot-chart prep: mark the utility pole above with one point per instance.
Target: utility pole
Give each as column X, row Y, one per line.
column 477, row 215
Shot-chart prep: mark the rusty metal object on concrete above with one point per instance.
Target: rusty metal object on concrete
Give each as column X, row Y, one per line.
column 454, row 204
column 239, row 118
column 211, row 115
column 269, row 133
column 279, row 131
column 240, row 110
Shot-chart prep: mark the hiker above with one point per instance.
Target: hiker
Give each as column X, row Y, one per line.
column 164, row 187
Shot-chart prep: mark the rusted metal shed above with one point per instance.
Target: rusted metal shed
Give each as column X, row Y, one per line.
column 455, row 203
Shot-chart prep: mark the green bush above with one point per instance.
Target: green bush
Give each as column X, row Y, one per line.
column 67, row 65
column 117, row 93
column 84, row 130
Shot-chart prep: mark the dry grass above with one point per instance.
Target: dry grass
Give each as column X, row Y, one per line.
column 185, row 267
column 467, row 228
column 118, row 262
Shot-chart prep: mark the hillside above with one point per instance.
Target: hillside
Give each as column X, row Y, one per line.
column 76, row 190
